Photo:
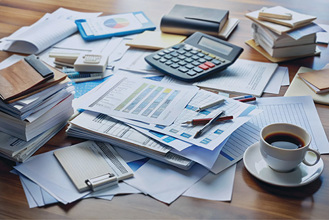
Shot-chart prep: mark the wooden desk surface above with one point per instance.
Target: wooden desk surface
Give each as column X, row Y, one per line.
column 251, row 199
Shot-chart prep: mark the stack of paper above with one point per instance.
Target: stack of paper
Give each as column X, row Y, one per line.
column 32, row 119
column 283, row 38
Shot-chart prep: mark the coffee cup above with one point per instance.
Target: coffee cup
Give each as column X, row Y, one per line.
column 284, row 146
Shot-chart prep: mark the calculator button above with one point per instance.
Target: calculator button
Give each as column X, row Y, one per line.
column 161, row 53
column 166, row 51
column 203, row 66
column 175, row 59
column 197, row 69
column 174, row 54
column 188, row 54
column 216, row 62
column 195, row 63
column 167, row 56
column 169, row 62
column 162, row 60
column 191, row 73
column 193, row 52
column 171, row 50
column 211, row 65
column 182, row 63
column 189, row 66
column 183, row 69
column 187, row 48
column 200, row 54
column 208, row 58
column 188, row 60
column 176, row 47
column 201, row 60
column 175, row 65
column 181, row 51
column 195, row 57
column 181, row 57
column 156, row 57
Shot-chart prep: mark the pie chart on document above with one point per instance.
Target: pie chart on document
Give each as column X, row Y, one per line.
column 116, row 23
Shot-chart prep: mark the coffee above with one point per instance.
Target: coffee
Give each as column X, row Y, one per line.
column 284, row 140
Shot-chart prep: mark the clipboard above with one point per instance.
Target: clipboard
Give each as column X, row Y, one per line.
column 93, row 165
column 114, row 25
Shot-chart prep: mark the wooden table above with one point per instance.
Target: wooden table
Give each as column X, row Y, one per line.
column 251, row 199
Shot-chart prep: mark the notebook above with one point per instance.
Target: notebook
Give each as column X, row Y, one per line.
column 93, row 165
column 299, row 88
column 21, row 80
column 317, row 80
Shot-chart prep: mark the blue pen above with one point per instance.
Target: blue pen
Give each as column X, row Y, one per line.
column 243, row 97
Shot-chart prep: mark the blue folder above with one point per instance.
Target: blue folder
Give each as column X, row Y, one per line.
column 146, row 23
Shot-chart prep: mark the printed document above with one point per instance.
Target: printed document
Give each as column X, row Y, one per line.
column 138, row 99
column 216, row 134
column 242, row 77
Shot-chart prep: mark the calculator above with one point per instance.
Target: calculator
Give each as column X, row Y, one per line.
column 195, row 58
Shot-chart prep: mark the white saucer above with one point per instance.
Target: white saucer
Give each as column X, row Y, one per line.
column 302, row 175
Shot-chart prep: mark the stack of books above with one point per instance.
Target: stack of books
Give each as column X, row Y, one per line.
column 283, row 34
column 36, row 102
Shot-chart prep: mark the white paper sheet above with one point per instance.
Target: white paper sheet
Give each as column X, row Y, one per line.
column 275, row 83
column 217, row 187
column 164, row 182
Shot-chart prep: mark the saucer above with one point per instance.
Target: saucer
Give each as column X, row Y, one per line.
column 302, row 175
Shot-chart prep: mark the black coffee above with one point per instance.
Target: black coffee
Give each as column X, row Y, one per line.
column 284, row 140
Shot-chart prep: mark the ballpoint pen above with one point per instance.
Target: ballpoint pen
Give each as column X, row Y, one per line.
column 202, row 121
column 247, row 100
column 210, row 105
column 242, row 97
column 206, row 126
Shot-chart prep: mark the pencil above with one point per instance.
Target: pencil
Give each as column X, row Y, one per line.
column 203, row 121
column 210, row 105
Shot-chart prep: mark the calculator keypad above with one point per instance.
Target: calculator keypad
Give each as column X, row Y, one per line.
column 188, row 59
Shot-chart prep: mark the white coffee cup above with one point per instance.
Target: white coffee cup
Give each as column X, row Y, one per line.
column 284, row 146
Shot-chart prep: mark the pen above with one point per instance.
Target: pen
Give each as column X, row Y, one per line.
column 210, row 105
column 242, row 97
column 247, row 100
column 203, row 121
column 206, row 126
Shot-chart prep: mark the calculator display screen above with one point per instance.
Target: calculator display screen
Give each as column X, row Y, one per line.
column 217, row 46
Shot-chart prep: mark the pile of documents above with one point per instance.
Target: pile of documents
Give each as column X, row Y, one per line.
column 284, row 34
column 31, row 112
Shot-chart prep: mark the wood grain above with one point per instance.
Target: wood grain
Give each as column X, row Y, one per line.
column 251, row 198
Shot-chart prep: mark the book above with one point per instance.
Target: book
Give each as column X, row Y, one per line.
column 258, row 48
column 287, row 51
column 297, row 19
column 18, row 150
column 275, row 40
column 185, row 19
column 277, row 28
column 93, row 165
column 317, row 80
column 299, row 88
column 114, row 25
column 26, row 130
column 21, row 80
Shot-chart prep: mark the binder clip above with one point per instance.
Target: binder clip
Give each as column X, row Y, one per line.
column 101, row 182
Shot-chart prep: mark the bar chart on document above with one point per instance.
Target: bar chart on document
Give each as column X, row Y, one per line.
column 138, row 99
